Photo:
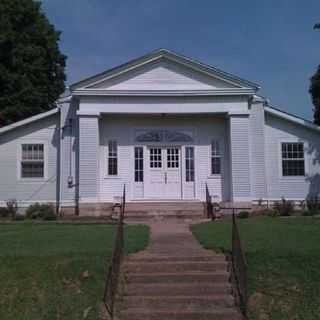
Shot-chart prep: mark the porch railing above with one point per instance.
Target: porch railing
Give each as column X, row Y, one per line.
column 239, row 266
column 113, row 272
column 209, row 207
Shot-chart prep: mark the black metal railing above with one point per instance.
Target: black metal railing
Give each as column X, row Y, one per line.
column 113, row 272
column 239, row 266
column 209, row 207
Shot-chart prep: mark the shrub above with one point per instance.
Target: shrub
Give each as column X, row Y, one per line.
column 284, row 207
column 19, row 217
column 38, row 211
column 308, row 213
column 12, row 207
column 243, row 215
column 272, row 213
column 313, row 205
column 4, row 212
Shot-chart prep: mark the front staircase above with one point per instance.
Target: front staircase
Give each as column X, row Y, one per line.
column 175, row 278
column 161, row 210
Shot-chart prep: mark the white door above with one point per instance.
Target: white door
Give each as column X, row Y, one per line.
column 164, row 173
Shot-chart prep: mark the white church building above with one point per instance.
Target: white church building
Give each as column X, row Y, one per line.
column 165, row 126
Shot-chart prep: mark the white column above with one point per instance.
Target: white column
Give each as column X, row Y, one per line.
column 239, row 158
column 88, row 158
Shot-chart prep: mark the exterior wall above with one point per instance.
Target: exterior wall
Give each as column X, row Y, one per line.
column 240, row 158
column 25, row 191
column 163, row 76
column 279, row 130
column 122, row 129
column 257, row 151
column 69, row 153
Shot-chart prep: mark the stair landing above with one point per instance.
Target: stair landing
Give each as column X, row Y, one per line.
column 175, row 278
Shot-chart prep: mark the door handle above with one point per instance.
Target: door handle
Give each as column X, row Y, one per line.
column 165, row 178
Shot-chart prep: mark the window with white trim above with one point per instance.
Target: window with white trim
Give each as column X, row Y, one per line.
column 189, row 164
column 138, row 164
column 32, row 160
column 215, row 157
column 112, row 158
column 292, row 159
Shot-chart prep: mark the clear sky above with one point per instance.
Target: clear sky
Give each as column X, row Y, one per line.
column 271, row 42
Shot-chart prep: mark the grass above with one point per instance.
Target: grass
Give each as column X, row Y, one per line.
column 57, row 271
column 283, row 257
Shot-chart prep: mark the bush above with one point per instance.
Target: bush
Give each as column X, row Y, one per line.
column 243, row 215
column 284, row 207
column 313, row 205
column 41, row 211
column 19, row 217
column 308, row 213
column 12, row 207
column 4, row 212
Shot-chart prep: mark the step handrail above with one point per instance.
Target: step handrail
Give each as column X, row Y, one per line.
column 112, row 279
column 239, row 266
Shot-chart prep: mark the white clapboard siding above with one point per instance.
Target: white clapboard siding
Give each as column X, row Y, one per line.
column 257, row 151
column 280, row 130
column 163, row 76
column 44, row 131
column 89, row 158
column 240, row 158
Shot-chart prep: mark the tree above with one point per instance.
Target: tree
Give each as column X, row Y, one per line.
column 315, row 90
column 31, row 66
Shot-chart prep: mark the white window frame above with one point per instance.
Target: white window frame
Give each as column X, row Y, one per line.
column 19, row 160
column 221, row 156
column 306, row 162
column 185, row 164
column 107, row 158
column 143, row 164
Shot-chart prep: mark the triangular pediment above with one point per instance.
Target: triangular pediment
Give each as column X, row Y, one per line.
column 162, row 71
column 162, row 75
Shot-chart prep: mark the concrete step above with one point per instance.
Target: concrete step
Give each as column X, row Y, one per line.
column 181, row 277
column 177, row 289
column 167, row 214
column 145, row 258
column 222, row 314
column 171, row 267
column 181, row 302
column 164, row 206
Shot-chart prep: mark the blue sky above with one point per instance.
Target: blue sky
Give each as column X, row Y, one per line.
column 269, row 42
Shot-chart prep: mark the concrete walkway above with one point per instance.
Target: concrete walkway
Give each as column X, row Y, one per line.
column 175, row 278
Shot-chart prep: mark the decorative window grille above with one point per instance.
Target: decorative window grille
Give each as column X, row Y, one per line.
column 173, row 158
column 155, row 158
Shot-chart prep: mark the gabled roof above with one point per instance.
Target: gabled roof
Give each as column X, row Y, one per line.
column 28, row 120
column 163, row 54
column 291, row 117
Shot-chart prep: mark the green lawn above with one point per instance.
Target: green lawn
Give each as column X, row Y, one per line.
column 57, row 271
column 283, row 256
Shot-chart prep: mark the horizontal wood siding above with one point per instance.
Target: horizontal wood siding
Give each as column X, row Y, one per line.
column 280, row 130
column 257, row 151
column 27, row 191
column 163, row 76
column 89, row 158
column 240, row 158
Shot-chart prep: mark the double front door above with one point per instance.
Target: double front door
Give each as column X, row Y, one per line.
column 163, row 173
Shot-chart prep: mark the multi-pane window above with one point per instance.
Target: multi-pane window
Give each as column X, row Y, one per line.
column 189, row 164
column 155, row 158
column 292, row 159
column 32, row 161
column 173, row 158
column 215, row 157
column 112, row 158
column 138, row 164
